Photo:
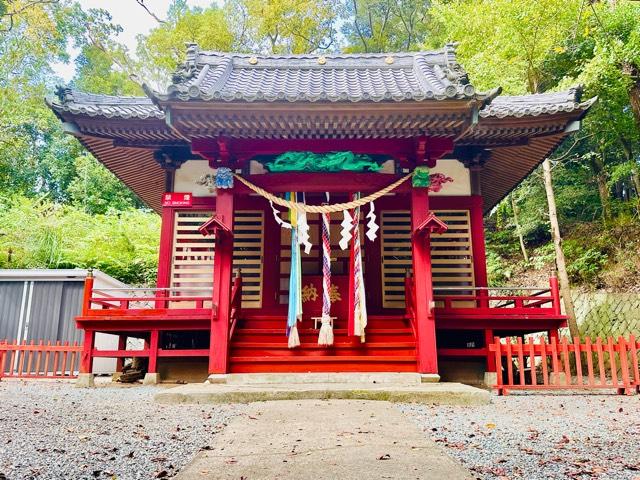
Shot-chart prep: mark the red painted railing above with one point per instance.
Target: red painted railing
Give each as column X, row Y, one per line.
column 538, row 365
column 410, row 304
column 236, row 304
column 499, row 301
column 99, row 302
column 31, row 360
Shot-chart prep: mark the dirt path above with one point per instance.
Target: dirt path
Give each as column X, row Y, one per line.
column 314, row 439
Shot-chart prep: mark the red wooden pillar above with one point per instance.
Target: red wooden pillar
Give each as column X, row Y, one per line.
column 491, row 357
column 86, row 360
column 425, row 321
column 164, row 253
column 153, row 352
column 477, row 242
column 222, row 266
column 479, row 254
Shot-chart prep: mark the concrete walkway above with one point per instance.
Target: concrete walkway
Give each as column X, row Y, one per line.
column 246, row 389
column 315, row 440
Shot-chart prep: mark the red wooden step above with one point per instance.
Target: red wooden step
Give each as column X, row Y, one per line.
column 339, row 324
column 355, row 363
column 313, row 349
column 311, row 335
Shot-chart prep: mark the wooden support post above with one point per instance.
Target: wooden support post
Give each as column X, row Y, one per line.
column 164, row 254
column 153, row 352
column 122, row 345
column 491, row 358
column 425, row 321
column 479, row 254
column 555, row 294
column 86, row 361
column 222, row 266
column 87, row 293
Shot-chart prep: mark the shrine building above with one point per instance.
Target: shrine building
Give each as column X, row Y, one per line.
column 320, row 213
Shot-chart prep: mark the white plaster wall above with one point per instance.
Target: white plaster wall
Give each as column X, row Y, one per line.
column 187, row 175
column 455, row 169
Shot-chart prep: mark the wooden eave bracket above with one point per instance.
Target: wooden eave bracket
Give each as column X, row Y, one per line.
column 215, row 225
column 431, row 224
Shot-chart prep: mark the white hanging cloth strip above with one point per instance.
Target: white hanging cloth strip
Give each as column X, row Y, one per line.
column 347, row 225
column 278, row 218
column 372, row 227
column 303, row 230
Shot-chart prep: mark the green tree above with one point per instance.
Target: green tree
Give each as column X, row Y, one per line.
column 385, row 25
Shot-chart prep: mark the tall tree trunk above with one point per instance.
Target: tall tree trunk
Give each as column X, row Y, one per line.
column 561, row 264
column 516, row 220
column 635, row 178
column 634, row 93
column 597, row 163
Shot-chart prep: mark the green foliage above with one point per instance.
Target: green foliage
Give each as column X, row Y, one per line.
column 37, row 233
column 385, row 25
column 584, row 263
column 498, row 269
column 284, row 26
column 109, row 196
column 505, row 42
column 163, row 48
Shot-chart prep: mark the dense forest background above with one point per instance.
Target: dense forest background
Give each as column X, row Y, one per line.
column 60, row 208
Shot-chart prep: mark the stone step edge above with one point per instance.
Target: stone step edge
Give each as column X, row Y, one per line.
column 387, row 378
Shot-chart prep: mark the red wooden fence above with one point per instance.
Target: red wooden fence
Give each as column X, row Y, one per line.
column 560, row 365
column 31, row 360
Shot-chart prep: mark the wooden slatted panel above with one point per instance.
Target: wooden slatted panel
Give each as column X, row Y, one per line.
column 395, row 242
column 451, row 258
column 451, row 253
column 248, row 247
column 193, row 253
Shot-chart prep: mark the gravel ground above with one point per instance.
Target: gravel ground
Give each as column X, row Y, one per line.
column 540, row 436
column 51, row 430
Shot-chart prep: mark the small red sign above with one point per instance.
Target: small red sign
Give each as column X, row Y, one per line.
column 175, row 199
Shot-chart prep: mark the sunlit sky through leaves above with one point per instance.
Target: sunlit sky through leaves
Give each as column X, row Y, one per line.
column 133, row 19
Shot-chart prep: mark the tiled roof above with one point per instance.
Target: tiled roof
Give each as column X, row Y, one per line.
column 534, row 105
column 375, row 77
column 109, row 106
column 79, row 103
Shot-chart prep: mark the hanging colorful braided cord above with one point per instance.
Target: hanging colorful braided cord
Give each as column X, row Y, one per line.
column 295, row 280
column 325, row 336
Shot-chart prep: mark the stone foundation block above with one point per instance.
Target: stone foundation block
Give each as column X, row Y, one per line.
column 151, row 379
column 85, row 380
column 429, row 378
column 490, row 379
column 217, row 378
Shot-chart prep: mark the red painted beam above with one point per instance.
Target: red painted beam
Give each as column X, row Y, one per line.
column 219, row 151
column 191, row 352
column 323, row 182
column 120, row 353
column 464, row 352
